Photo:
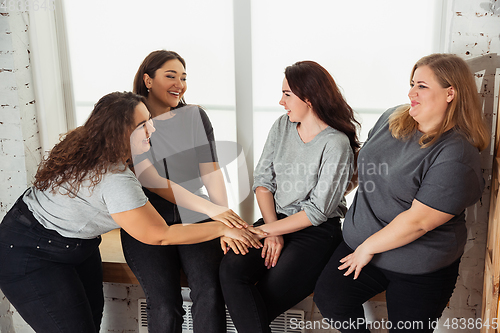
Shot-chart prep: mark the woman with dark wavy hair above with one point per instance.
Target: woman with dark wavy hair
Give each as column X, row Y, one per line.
column 49, row 256
column 299, row 182
column 405, row 231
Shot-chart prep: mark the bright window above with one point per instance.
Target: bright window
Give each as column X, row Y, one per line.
column 368, row 46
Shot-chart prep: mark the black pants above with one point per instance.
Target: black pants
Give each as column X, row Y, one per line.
column 414, row 302
column 54, row 282
column 255, row 295
column 158, row 270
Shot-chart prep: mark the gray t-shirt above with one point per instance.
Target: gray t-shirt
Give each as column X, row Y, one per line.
column 88, row 214
column 445, row 176
column 309, row 176
column 183, row 139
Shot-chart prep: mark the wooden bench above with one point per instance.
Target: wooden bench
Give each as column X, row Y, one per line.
column 114, row 266
column 116, row 270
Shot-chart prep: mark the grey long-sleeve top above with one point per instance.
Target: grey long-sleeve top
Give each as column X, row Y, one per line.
column 309, row 176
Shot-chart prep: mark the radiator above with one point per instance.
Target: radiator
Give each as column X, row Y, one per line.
column 279, row 325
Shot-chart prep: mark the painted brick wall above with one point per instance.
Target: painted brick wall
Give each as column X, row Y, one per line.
column 19, row 144
column 20, row 150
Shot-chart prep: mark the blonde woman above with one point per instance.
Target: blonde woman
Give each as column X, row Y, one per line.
column 405, row 231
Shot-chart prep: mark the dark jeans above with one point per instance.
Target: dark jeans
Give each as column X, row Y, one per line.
column 54, row 282
column 414, row 302
column 158, row 270
column 255, row 295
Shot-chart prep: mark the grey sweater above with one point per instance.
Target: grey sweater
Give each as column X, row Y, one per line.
column 309, row 176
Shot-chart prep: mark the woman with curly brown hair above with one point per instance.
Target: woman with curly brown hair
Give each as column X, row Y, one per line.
column 51, row 265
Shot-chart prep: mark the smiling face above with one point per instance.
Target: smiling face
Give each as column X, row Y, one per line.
column 139, row 139
column 168, row 86
column 429, row 100
column 295, row 108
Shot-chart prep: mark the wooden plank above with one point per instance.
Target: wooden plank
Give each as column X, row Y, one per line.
column 117, row 273
column 379, row 298
column 490, row 288
column 491, row 284
column 111, row 247
column 114, row 265
column 491, row 276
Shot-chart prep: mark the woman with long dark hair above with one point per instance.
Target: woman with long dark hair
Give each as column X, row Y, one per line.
column 299, row 182
column 183, row 152
column 49, row 256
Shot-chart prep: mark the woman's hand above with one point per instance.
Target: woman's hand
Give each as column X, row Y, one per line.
column 238, row 247
column 356, row 261
column 272, row 250
column 405, row 228
column 258, row 232
column 249, row 236
column 227, row 216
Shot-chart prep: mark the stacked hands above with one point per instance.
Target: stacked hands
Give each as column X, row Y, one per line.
column 239, row 236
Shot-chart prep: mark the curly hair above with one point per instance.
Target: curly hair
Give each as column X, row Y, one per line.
column 91, row 150
column 310, row 81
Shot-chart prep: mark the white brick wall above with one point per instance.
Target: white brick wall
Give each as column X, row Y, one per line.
column 19, row 143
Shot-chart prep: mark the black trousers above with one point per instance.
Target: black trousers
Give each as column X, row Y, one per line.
column 414, row 302
column 54, row 282
column 158, row 270
column 255, row 295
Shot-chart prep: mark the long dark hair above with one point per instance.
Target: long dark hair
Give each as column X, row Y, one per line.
column 88, row 151
column 150, row 65
column 309, row 81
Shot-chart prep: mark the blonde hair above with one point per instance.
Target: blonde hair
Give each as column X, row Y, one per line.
column 464, row 112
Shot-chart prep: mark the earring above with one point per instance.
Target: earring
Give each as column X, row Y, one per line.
column 147, row 90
